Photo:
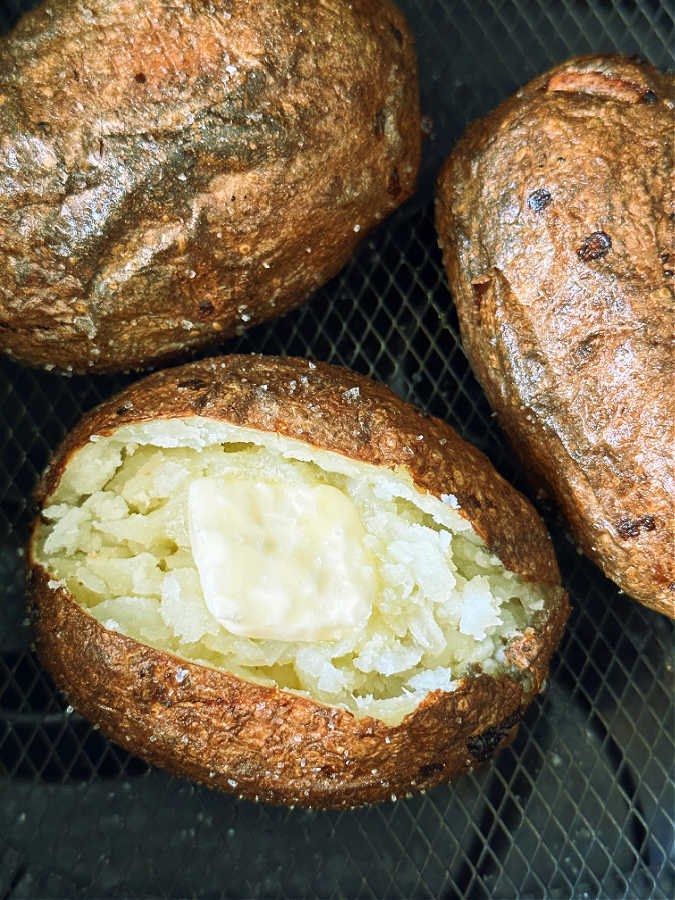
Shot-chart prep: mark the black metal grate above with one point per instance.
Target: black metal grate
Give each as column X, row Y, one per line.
column 582, row 805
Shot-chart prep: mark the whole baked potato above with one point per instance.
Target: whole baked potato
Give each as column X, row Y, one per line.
column 556, row 214
column 280, row 580
column 174, row 173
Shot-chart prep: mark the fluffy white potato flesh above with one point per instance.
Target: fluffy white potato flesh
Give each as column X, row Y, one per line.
column 281, row 563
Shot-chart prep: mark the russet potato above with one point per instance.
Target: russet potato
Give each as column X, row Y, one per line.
column 556, row 214
column 173, row 174
column 277, row 578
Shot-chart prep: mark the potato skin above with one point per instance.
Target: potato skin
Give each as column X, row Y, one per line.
column 174, row 174
column 264, row 743
column 556, row 215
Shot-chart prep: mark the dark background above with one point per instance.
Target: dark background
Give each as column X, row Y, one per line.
column 580, row 806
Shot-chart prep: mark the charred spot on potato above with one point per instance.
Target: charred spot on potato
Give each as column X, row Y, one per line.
column 508, row 723
column 140, row 77
column 480, row 287
column 469, row 501
column 192, row 384
column 596, row 246
column 539, row 199
column 630, row 528
column 429, row 770
column 206, row 308
column 394, row 184
column 378, row 123
column 649, row 97
column 483, row 746
column 397, row 33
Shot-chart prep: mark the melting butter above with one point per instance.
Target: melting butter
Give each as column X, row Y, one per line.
column 280, row 562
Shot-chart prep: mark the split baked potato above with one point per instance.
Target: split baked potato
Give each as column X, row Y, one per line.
column 556, row 215
column 173, row 174
column 277, row 578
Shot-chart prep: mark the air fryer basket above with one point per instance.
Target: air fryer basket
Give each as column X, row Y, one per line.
column 582, row 805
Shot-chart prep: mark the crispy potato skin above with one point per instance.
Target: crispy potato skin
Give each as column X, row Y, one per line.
column 264, row 743
column 174, row 174
column 556, row 215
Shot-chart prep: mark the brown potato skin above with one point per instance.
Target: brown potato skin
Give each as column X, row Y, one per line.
column 269, row 744
column 172, row 175
column 556, row 215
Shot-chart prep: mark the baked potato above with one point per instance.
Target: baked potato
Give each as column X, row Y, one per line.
column 277, row 578
column 556, row 215
column 173, row 174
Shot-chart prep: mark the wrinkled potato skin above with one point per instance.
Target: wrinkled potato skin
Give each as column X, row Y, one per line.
column 269, row 744
column 172, row 174
column 566, row 299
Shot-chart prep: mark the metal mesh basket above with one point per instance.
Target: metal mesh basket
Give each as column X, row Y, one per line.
column 582, row 803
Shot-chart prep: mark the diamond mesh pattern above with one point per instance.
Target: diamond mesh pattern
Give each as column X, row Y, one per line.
column 582, row 804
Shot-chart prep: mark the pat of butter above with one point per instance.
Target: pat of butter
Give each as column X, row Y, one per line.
column 282, row 562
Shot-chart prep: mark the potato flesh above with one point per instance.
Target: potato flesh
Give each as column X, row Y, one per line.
column 117, row 532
